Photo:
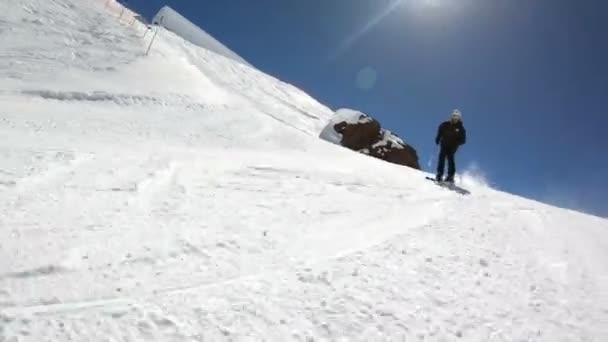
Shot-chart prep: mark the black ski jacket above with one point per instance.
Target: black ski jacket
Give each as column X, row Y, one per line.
column 451, row 134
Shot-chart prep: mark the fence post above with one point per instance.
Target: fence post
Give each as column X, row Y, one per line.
column 146, row 33
column 152, row 41
column 160, row 23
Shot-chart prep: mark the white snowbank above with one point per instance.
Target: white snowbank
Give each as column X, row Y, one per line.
column 350, row 116
column 172, row 20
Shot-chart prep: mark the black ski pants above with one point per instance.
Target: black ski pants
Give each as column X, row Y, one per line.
column 447, row 152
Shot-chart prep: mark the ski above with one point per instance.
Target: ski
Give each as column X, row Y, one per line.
column 450, row 186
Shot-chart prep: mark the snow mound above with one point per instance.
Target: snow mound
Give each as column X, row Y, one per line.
column 350, row 116
column 172, row 20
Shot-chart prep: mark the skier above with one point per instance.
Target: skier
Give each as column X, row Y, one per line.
column 450, row 134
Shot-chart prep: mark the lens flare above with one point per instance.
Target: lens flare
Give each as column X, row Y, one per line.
column 392, row 5
column 375, row 20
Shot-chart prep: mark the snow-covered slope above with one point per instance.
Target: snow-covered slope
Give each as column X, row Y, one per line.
column 175, row 22
column 182, row 196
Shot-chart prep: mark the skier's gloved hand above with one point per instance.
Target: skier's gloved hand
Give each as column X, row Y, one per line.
column 436, row 141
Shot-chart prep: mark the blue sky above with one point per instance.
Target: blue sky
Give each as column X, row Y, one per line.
column 531, row 77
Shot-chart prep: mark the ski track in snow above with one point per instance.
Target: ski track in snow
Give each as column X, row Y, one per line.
column 120, row 99
column 156, row 185
column 185, row 197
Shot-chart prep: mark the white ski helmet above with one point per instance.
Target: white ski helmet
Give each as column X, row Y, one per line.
column 457, row 114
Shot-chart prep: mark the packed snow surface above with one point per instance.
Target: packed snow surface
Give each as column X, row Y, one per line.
column 181, row 196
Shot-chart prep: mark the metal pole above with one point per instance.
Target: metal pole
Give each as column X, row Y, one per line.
column 152, row 41
column 432, row 157
column 160, row 23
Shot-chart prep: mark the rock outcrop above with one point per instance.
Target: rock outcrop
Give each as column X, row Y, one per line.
column 362, row 133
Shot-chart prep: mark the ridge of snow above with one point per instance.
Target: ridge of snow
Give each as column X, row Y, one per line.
column 350, row 116
column 177, row 23
column 182, row 196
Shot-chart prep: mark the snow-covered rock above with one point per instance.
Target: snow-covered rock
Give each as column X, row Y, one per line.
column 351, row 129
column 394, row 150
column 359, row 132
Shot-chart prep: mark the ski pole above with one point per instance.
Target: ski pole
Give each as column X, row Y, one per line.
column 432, row 156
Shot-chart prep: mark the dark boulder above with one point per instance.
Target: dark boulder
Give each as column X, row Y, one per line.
column 359, row 135
column 392, row 149
column 362, row 133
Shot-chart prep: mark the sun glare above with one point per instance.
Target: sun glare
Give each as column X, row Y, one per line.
column 377, row 18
